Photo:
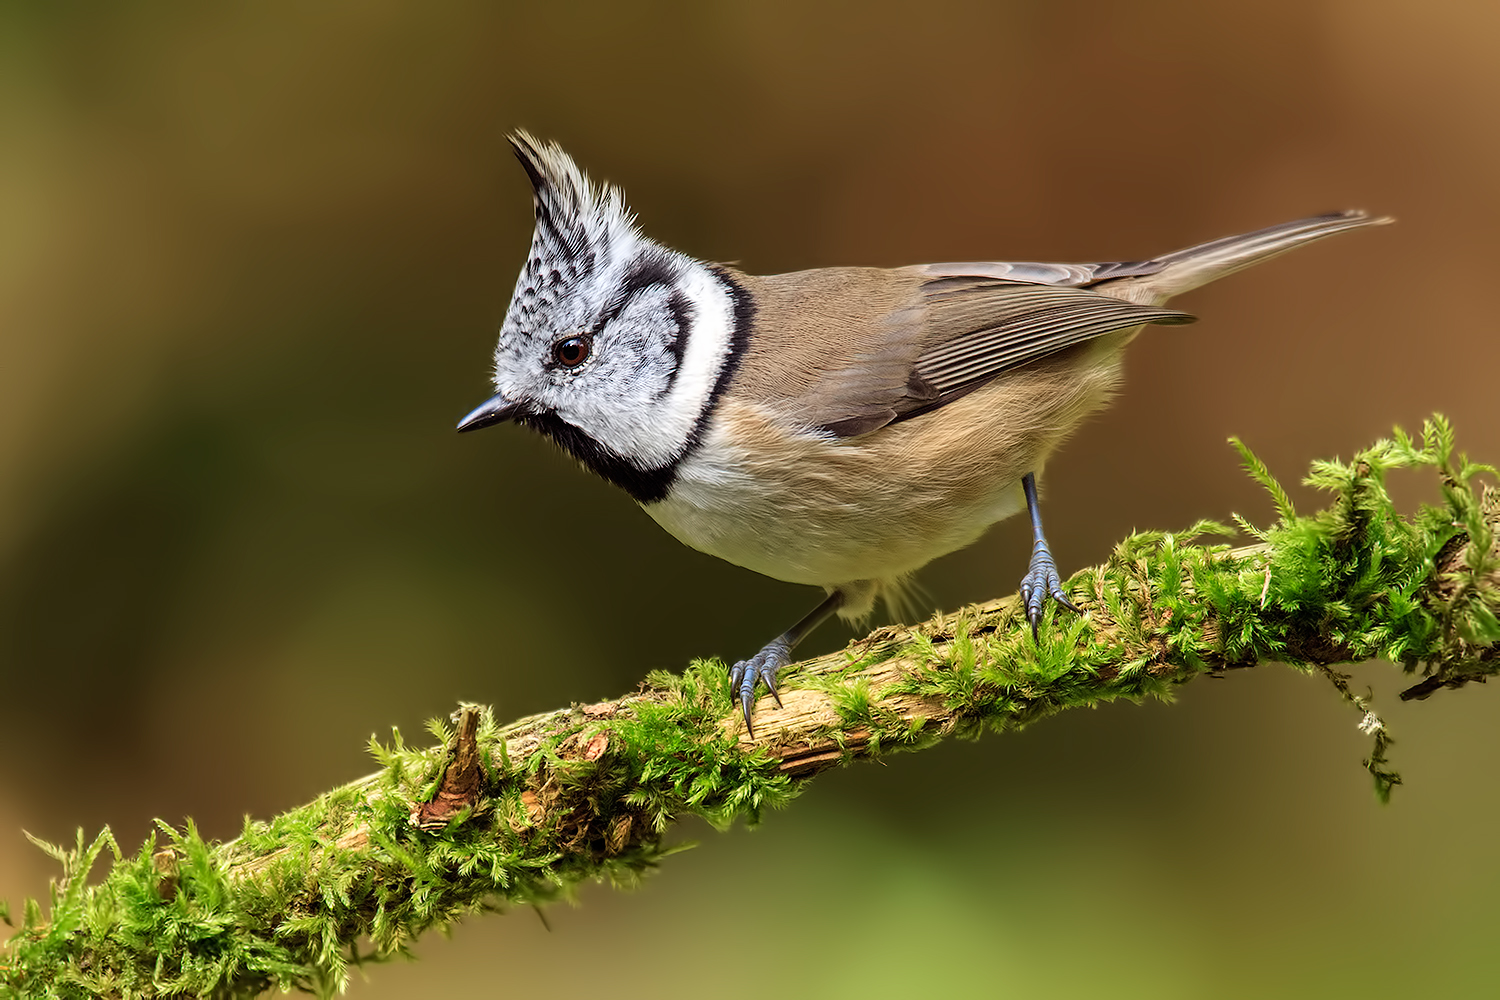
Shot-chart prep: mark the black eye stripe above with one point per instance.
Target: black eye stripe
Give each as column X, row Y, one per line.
column 646, row 273
column 682, row 316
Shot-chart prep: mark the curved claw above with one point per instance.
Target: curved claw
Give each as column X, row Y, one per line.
column 745, row 675
column 1041, row 582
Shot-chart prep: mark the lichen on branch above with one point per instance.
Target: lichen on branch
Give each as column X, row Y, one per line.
column 520, row 813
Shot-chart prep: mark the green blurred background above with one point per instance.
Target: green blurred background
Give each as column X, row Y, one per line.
column 252, row 259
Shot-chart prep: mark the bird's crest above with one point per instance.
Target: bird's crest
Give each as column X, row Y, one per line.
column 573, row 215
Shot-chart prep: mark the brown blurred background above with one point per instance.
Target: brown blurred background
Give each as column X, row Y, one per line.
column 252, row 259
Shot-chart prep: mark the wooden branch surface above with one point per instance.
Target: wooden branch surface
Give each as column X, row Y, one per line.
column 517, row 814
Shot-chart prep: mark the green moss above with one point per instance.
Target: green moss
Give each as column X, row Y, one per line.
column 588, row 793
column 1352, row 582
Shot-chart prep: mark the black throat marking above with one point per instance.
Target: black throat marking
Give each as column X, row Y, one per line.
column 651, row 485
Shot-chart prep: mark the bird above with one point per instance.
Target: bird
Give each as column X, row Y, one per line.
column 839, row 427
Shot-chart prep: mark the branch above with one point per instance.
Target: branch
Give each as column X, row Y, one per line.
column 514, row 814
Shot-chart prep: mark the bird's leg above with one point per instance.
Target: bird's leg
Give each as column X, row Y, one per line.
column 763, row 666
column 1041, row 580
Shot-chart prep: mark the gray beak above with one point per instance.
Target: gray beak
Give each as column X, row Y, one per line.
column 495, row 410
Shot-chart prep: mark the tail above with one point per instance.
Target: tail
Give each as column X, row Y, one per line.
column 1187, row 269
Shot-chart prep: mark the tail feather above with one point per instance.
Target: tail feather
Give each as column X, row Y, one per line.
column 1185, row 270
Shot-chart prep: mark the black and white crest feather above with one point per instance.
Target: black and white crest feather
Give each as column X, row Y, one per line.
column 572, row 213
column 577, row 222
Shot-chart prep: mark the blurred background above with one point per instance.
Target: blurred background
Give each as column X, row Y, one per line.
column 252, row 261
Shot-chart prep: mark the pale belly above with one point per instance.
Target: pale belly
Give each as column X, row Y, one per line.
column 815, row 509
column 815, row 534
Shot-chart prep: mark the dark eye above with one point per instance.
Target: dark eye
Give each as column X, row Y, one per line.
column 572, row 352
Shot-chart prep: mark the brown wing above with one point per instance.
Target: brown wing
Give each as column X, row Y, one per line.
column 995, row 326
column 849, row 350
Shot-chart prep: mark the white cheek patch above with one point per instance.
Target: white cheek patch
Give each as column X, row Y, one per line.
column 653, row 432
column 709, row 341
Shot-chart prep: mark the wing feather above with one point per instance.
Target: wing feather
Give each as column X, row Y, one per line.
column 850, row 350
column 1018, row 324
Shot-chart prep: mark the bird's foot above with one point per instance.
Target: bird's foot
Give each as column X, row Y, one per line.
column 1041, row 582
column 745, row 675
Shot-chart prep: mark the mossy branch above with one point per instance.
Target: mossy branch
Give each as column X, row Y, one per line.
column 520, row 813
